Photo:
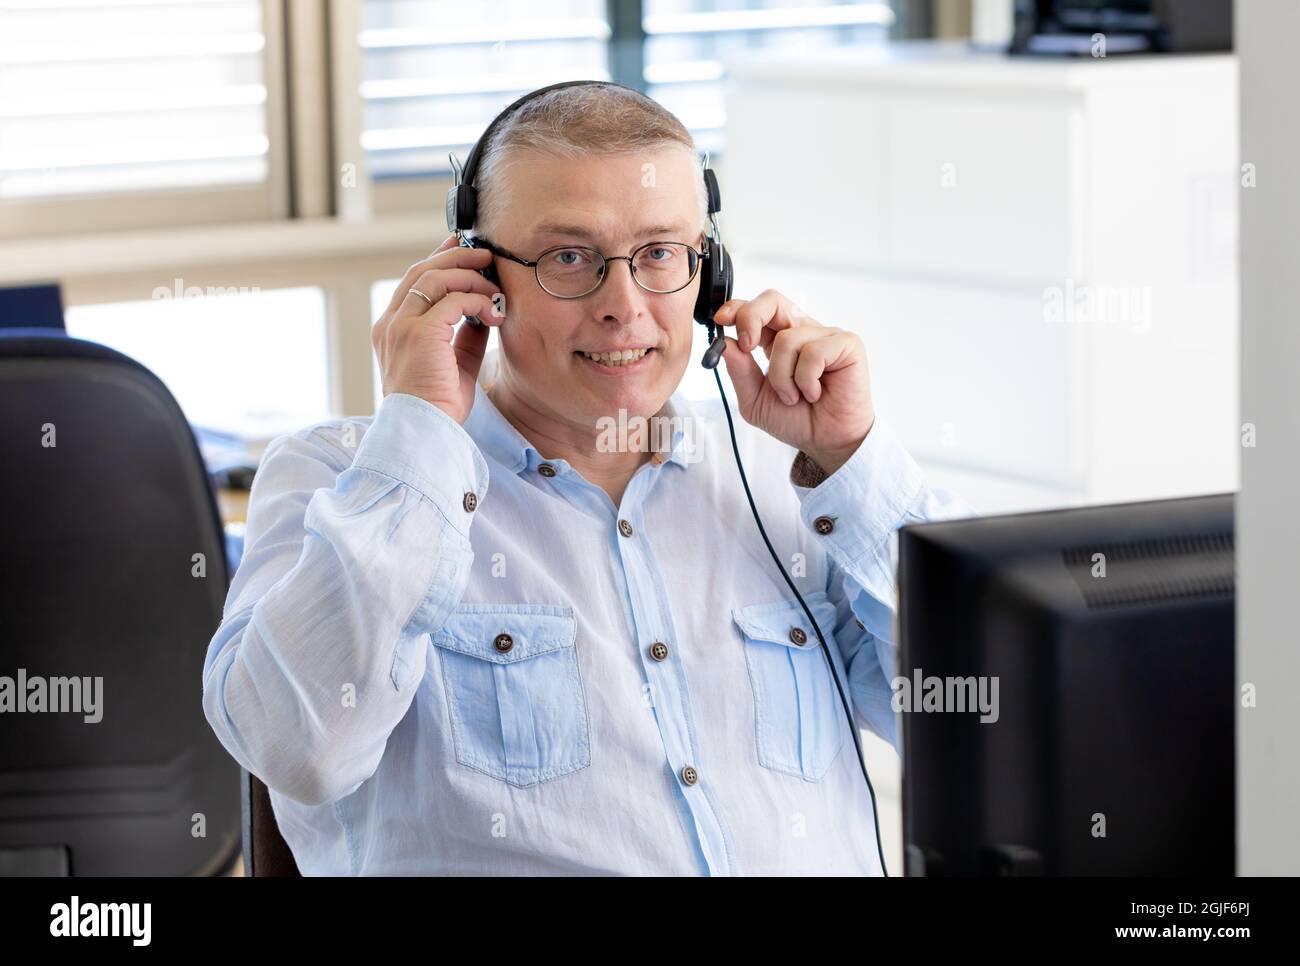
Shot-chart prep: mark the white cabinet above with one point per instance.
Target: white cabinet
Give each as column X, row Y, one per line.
column 1039, row 255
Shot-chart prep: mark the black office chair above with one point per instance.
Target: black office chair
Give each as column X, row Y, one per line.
column 108, row 507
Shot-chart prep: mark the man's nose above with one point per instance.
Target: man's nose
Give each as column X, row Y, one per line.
column 619, row 295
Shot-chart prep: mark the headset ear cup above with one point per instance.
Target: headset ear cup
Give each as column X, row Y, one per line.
column 715, row 283
column 728, row 277
column 704, row 295
column 720, row 278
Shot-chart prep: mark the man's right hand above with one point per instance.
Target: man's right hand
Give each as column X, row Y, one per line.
column 419, row 350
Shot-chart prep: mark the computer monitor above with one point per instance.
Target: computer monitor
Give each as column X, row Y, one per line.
column 1067, row 687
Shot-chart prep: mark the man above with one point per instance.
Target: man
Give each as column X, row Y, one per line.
column 494, row 630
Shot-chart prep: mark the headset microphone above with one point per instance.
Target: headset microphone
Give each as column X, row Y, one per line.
column 716, row 281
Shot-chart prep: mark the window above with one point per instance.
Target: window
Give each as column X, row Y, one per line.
column 104, row 98
column 434, row 72
column 252, row 362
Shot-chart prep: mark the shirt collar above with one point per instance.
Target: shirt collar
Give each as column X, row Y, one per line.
column 497, row 437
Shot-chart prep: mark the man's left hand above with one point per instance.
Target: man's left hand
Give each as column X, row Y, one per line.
column 816, row 395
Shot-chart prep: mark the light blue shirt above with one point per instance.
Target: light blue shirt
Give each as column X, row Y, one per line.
column 445, row 654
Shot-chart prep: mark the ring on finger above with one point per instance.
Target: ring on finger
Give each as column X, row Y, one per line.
column 416, row 291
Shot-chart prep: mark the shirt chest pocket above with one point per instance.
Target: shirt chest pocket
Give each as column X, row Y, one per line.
column 515, row 698
column 799, row 721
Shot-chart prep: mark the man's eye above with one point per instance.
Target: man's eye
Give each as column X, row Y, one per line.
column 656, row 257
column 569, row 257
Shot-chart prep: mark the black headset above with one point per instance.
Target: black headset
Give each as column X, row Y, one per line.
column 716, row 280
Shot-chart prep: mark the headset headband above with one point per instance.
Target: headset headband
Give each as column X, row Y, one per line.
column 462, row 197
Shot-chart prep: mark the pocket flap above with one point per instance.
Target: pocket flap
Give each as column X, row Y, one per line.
column 506, row 633
column 776, row 621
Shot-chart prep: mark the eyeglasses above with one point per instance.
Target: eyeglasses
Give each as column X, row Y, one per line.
column 570, row 272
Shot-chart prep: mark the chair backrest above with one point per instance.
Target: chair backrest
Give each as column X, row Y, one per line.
column 112, row 582
column 266, row 853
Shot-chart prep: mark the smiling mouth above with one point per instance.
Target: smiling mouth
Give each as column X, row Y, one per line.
column 615, row 360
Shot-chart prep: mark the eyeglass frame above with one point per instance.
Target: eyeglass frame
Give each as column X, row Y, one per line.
column 479, row 241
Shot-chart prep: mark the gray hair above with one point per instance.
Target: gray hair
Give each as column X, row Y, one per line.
column 573, row 122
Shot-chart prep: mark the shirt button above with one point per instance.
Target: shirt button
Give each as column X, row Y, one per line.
column 689, row 775
column 470, row 501
column 659, row 650
column 546, row 469
column 625, row 528
column 797, row 635
column 503, row 643
column 823, row 525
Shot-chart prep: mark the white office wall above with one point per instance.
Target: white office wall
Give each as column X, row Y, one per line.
column 1268, row 523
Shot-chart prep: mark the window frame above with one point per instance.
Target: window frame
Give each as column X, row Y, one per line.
column 136, row 209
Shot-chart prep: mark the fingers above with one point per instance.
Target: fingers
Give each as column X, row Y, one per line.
column 396, row 332
column 450, row 254
column 758, row 319
column 745, row 374
column 455, row 305
column 436, row 283
column 799, row 357
column 470, row 343
column 808, row 368
column 800, row 350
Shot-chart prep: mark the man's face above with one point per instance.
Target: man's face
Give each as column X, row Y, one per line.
column 612, row 204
